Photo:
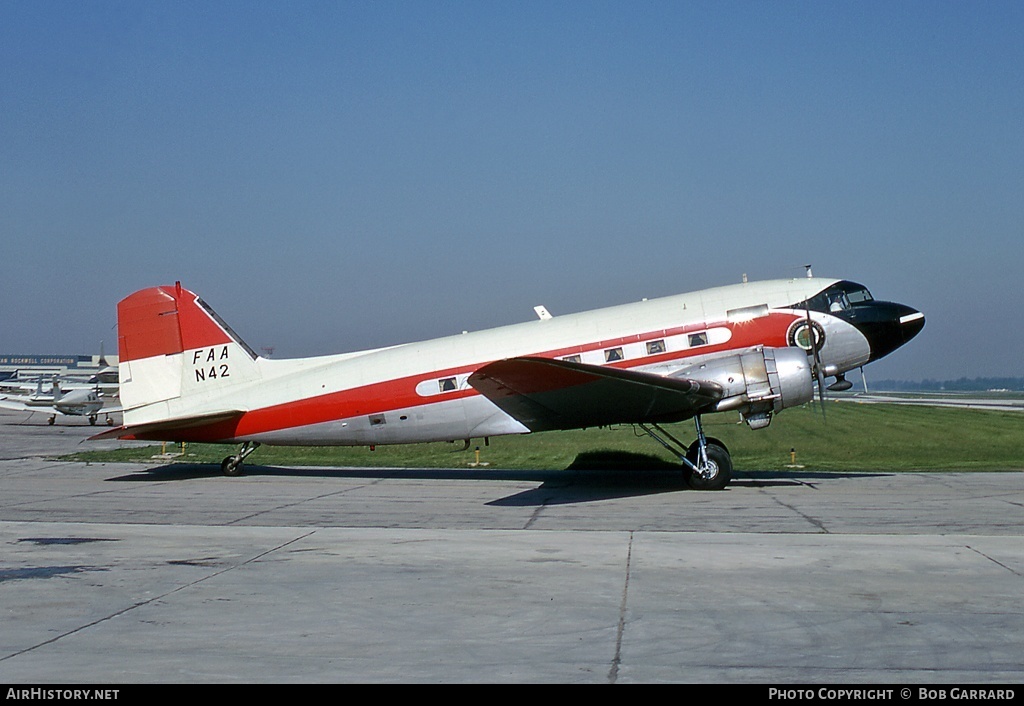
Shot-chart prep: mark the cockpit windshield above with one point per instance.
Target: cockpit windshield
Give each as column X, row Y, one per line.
column 841, row 296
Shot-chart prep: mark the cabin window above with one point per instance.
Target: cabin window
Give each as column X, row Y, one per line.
column 571, row 358
column 698, row 339
column 441, row 386
column 655, row 347
column 613, row 354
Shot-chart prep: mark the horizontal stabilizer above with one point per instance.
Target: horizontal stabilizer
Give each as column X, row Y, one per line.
column 545, row 394
column 181, row 429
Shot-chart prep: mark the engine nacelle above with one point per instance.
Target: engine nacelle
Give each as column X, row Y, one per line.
column 758, row 383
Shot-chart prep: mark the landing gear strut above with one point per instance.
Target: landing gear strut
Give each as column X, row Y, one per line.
column 706, row 462
column 232, row 465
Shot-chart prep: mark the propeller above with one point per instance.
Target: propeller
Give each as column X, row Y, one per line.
column 816, row 360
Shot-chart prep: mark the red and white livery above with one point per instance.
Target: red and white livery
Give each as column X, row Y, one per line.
column 755, row 348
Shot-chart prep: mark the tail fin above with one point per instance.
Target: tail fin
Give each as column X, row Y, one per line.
column 175, row 350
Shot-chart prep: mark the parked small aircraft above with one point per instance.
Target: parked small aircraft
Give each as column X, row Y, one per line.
column 754, row 348
column 78, row 402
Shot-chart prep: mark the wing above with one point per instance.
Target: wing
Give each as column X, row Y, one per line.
column 41, row 407
column 545, row 394
column 9, row 403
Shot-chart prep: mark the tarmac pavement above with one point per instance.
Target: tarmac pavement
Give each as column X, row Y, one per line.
column 171, row 573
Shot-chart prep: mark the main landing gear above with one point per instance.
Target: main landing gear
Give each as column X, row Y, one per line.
column 232, row 465
column 706, row 462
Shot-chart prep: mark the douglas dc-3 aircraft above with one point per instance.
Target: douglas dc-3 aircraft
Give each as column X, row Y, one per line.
column 754, row 348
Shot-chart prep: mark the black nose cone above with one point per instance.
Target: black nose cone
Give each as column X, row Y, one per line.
column 886, row 325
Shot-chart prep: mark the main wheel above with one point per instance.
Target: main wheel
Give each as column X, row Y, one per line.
column 718, row 472
column 231, row 466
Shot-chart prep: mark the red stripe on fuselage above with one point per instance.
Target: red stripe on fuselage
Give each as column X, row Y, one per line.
column 400, row 393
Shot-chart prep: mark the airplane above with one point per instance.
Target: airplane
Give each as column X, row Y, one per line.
column 78, row 402
column 754, row 348
column 103, row 381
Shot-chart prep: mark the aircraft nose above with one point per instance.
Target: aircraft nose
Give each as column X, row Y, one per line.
column 887, row 326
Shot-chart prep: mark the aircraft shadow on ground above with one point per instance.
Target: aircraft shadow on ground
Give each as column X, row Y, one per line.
column 592, row 476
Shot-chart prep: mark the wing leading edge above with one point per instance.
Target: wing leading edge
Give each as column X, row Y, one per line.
column 545, row 394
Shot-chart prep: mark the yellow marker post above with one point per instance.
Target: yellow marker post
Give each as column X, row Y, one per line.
column 477, row 463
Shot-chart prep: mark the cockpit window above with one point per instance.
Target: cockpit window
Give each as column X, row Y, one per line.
column 841, row 296
column 858, row 295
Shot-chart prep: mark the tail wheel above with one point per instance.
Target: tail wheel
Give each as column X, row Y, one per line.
column 715, row 474
column 231, row 466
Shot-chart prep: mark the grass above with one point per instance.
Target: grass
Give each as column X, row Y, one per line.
column 852, row 437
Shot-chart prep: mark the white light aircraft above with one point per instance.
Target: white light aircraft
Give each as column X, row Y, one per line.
column 754, row 348
column 78, row 402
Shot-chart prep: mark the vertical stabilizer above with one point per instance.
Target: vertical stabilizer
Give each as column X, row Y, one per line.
column 176, row 351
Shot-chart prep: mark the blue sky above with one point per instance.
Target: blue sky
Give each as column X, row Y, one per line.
column 341, row 175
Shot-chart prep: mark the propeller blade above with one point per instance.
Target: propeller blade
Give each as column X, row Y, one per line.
column 816, row 366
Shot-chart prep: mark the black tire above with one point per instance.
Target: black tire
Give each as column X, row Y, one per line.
column 230, row 467
column 720, row 462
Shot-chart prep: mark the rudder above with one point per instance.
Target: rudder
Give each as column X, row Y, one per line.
column 174, row 349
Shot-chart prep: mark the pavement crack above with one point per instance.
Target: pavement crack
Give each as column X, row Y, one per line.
column 816, row 522
column 296, row 503
column 613, row 673
column 162, row 596
column 535, row 515
column 995, row 561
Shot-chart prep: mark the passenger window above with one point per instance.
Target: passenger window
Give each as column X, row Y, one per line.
column 698, row 339
column 613, row 354
column 654, row 347
column 571, row 358
column 447, row 385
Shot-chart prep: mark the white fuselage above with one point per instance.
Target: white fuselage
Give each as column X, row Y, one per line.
column 418, row 391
